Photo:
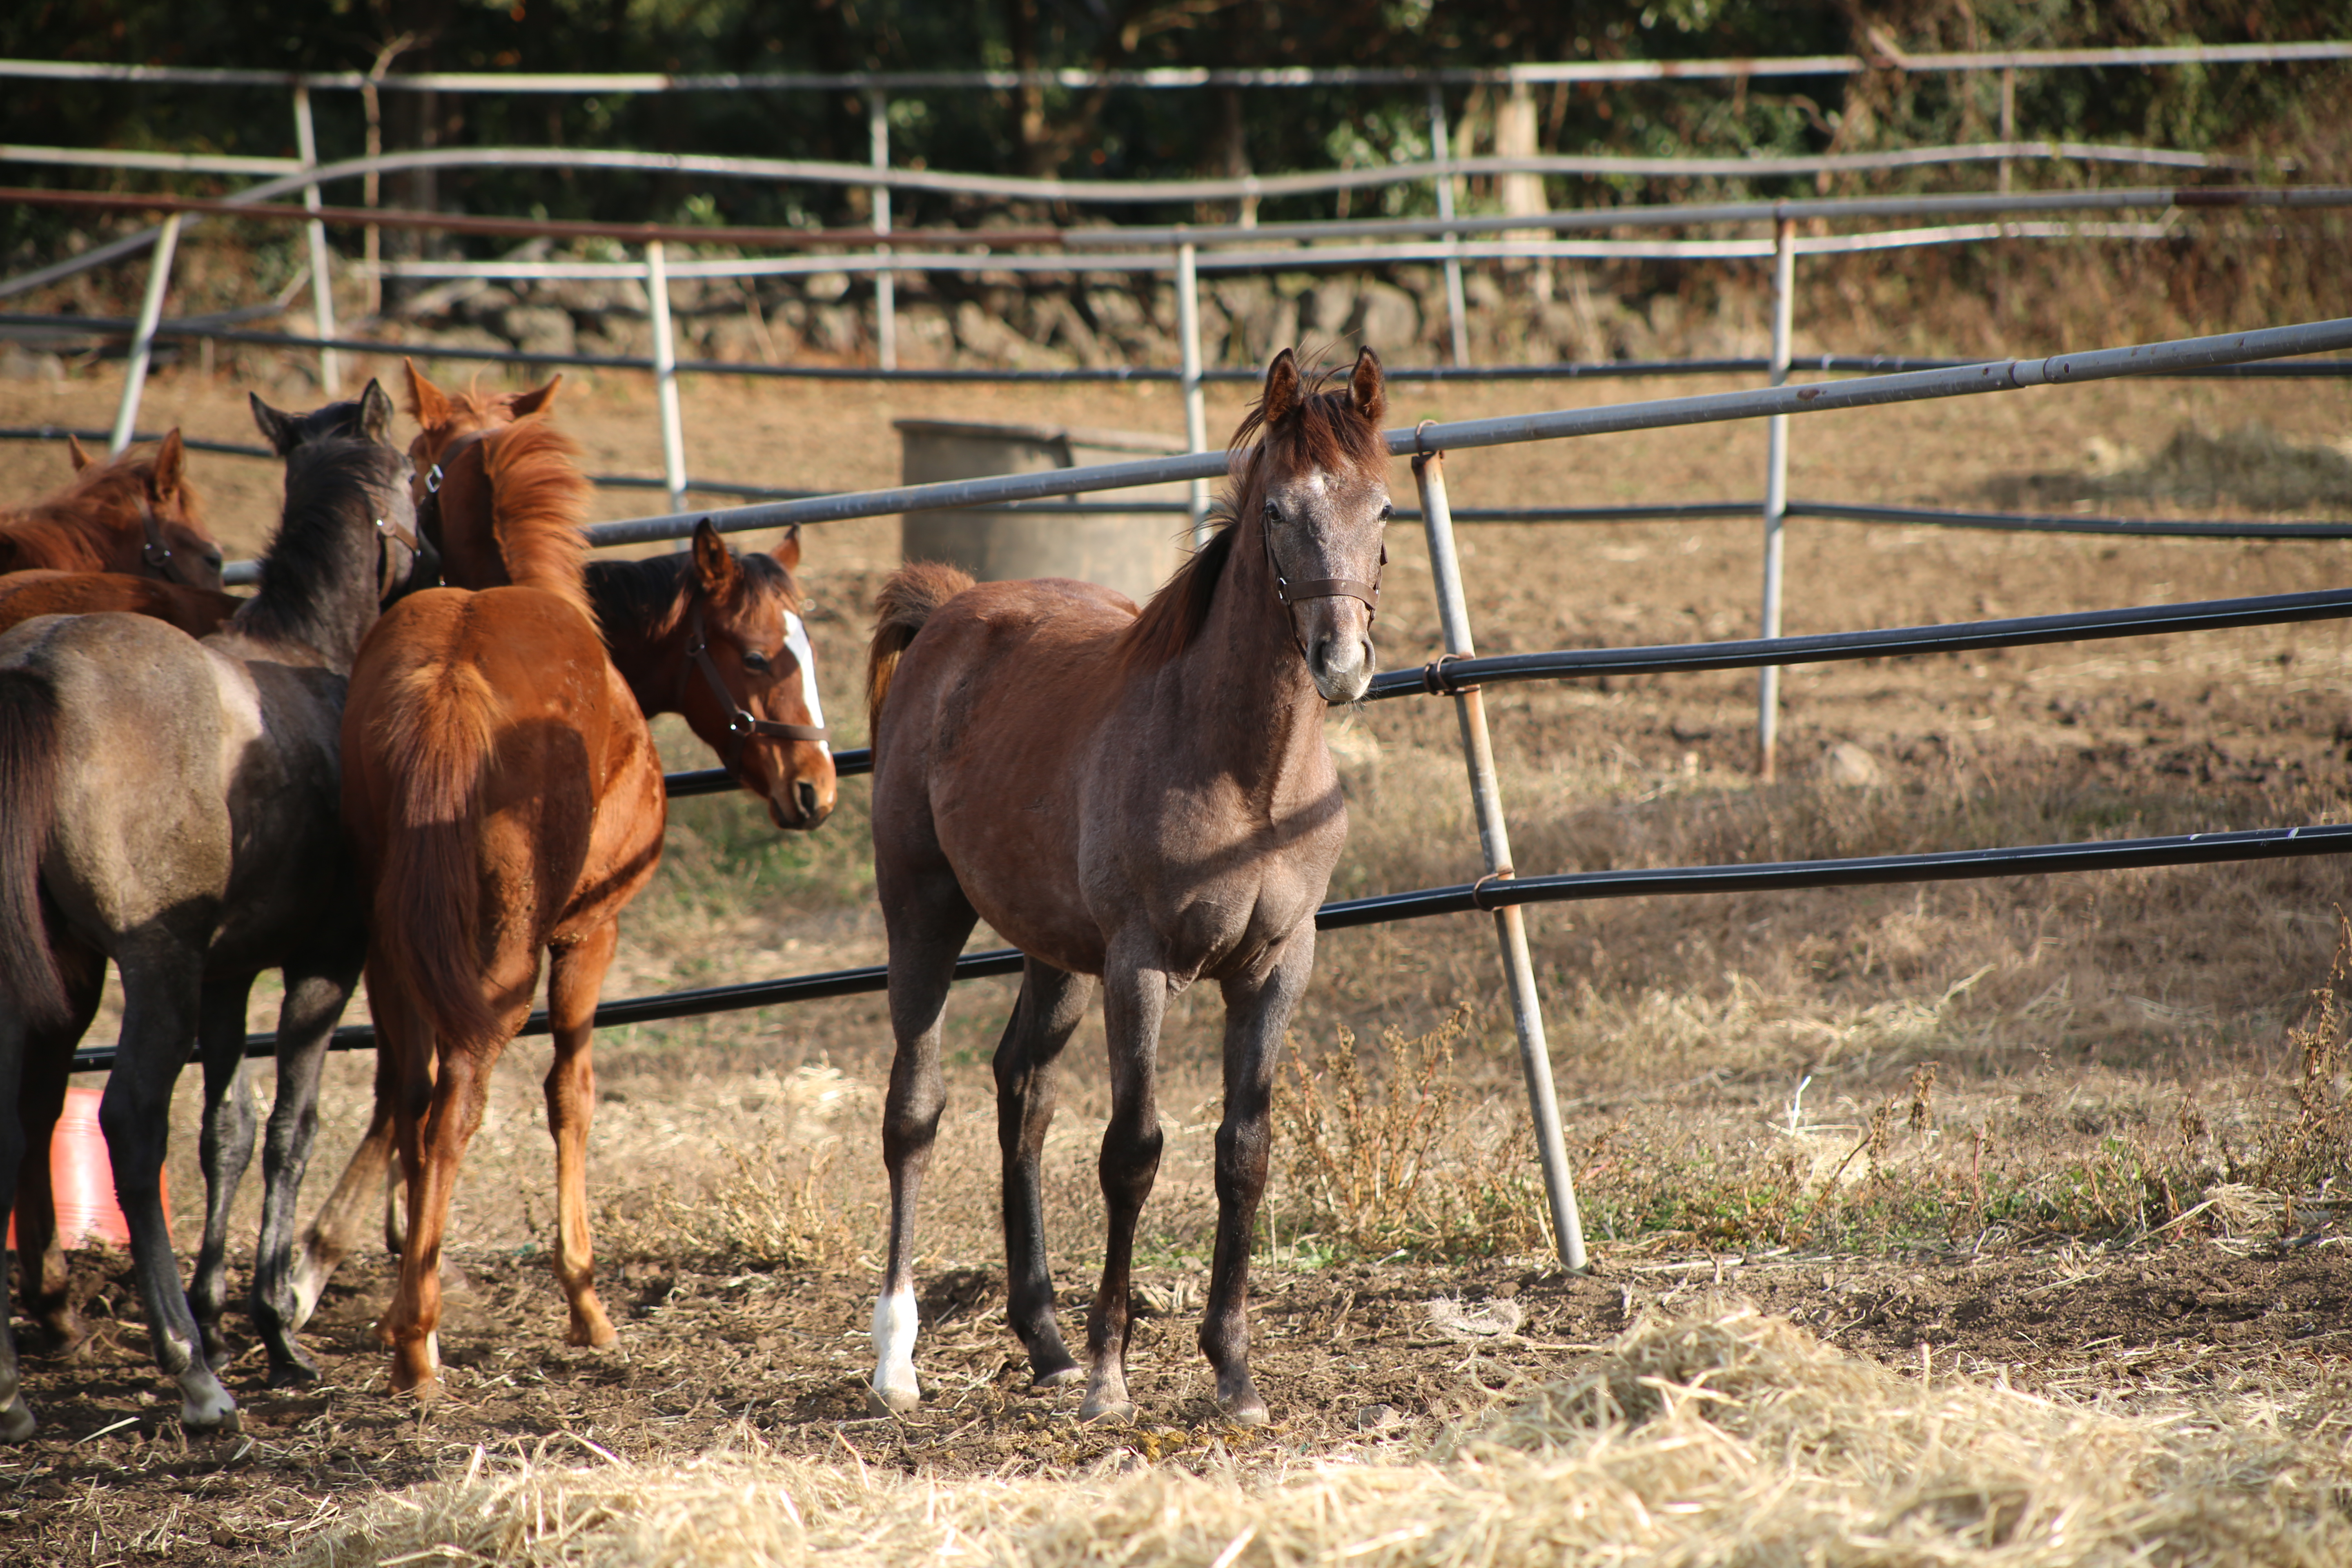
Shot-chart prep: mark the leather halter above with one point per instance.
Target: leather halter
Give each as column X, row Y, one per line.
column 156, row 555
column 428, row 511
column 741, row 723
column 1285, row 592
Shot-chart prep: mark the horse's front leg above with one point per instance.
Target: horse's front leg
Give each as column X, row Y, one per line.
column 225, row 1148
column 1135, row 1000
column 575, row 977
column 317, row 991
column 1257, row 1010
column 1051, row 1003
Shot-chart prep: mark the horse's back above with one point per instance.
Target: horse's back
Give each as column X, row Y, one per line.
column 48, row 591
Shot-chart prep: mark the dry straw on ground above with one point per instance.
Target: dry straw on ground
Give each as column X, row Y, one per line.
column 1723, row 1437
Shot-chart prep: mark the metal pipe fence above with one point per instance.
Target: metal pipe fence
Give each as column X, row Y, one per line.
column 1460, row 673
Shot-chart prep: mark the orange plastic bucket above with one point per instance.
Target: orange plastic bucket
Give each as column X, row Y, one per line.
column 83, row 1178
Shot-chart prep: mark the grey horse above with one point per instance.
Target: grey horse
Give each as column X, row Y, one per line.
column 173, row 805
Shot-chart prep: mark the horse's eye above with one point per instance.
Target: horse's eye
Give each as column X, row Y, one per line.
column 1387, row 512
column 1273, row 512
column 757, row 663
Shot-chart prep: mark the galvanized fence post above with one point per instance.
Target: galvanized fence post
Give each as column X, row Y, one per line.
column 666, row 376
column 1776, row 501
column 1196, row 407
column 322, row 282
column 1494, row 842
column 143, row 336
column 1441, row 152
column 885, row 283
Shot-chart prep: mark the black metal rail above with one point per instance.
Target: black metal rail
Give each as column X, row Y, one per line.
column 2031, row 860
column 1454, row 675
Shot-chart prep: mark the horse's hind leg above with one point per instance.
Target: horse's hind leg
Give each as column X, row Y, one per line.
column 1135, row 999
column 16, row 1421
column 366, row 1181
column 1051, row 1003
column 315, row 996
column 47, row 1070
column 927, row 930
column 161, row 985
column 1257, row 1010
column 431, row 1148
column 225, row 1148
column 575, row 976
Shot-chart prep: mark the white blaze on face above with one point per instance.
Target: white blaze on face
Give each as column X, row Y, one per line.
column 796, row 641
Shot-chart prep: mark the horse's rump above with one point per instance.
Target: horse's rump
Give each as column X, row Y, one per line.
column 908, row 598
column 450, row 704
column 28, row 805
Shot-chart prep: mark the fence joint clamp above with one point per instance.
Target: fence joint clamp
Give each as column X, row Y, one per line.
column 1432, row 677
column 1478, row 889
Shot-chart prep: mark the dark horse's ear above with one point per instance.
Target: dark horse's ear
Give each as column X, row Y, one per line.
column 81, row 459
column 375, row 413
column 714, row 563
column 787, row 552
column 529, row 403
column 170, row 462
column 1367, row 391
column 1281, row 394
column 279, row 429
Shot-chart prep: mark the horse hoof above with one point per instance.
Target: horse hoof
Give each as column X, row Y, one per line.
column 294, row 1371
column 1059, row 1377
column 890, row 1406
column 1249, row 1413
column 16, row 1421
column 1110, row 1412
column 205, row 1405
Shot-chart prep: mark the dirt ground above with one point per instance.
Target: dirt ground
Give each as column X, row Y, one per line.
column 2061, row 1014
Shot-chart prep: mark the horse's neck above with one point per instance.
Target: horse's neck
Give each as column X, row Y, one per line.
column 1249, row 707
column 650, row 667
column 327, row 619
column 41, row 538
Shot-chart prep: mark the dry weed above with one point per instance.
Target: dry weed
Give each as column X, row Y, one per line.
column 773, row 1210
column 1720, row 1437
column 1380, row 1162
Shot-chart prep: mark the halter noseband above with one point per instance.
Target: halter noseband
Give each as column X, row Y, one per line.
column 1356, row 588
column 741, row 723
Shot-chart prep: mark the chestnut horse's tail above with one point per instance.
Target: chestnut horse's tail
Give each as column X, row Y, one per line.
column 29, row 808
column 909, row 597
column 435, row 738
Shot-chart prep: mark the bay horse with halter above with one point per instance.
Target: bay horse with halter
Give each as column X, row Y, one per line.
column 506, row 799
column 196, row 610
column 136, row 514
column 1142, row 798
column 172, row 804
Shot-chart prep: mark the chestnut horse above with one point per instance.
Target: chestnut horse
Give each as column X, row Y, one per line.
column 750, row 692
column 505, row 798
column 172, row 804
column 136, row 514
column 1146, row 798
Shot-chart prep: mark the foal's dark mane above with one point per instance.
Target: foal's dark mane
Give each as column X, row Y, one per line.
column 649, row 597
column 326, row 481
column 1323, row 431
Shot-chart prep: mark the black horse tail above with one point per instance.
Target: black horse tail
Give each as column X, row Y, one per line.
column 28, row 807
column 909, row 596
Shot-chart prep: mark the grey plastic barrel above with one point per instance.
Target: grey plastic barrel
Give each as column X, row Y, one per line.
column 1133, row 552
